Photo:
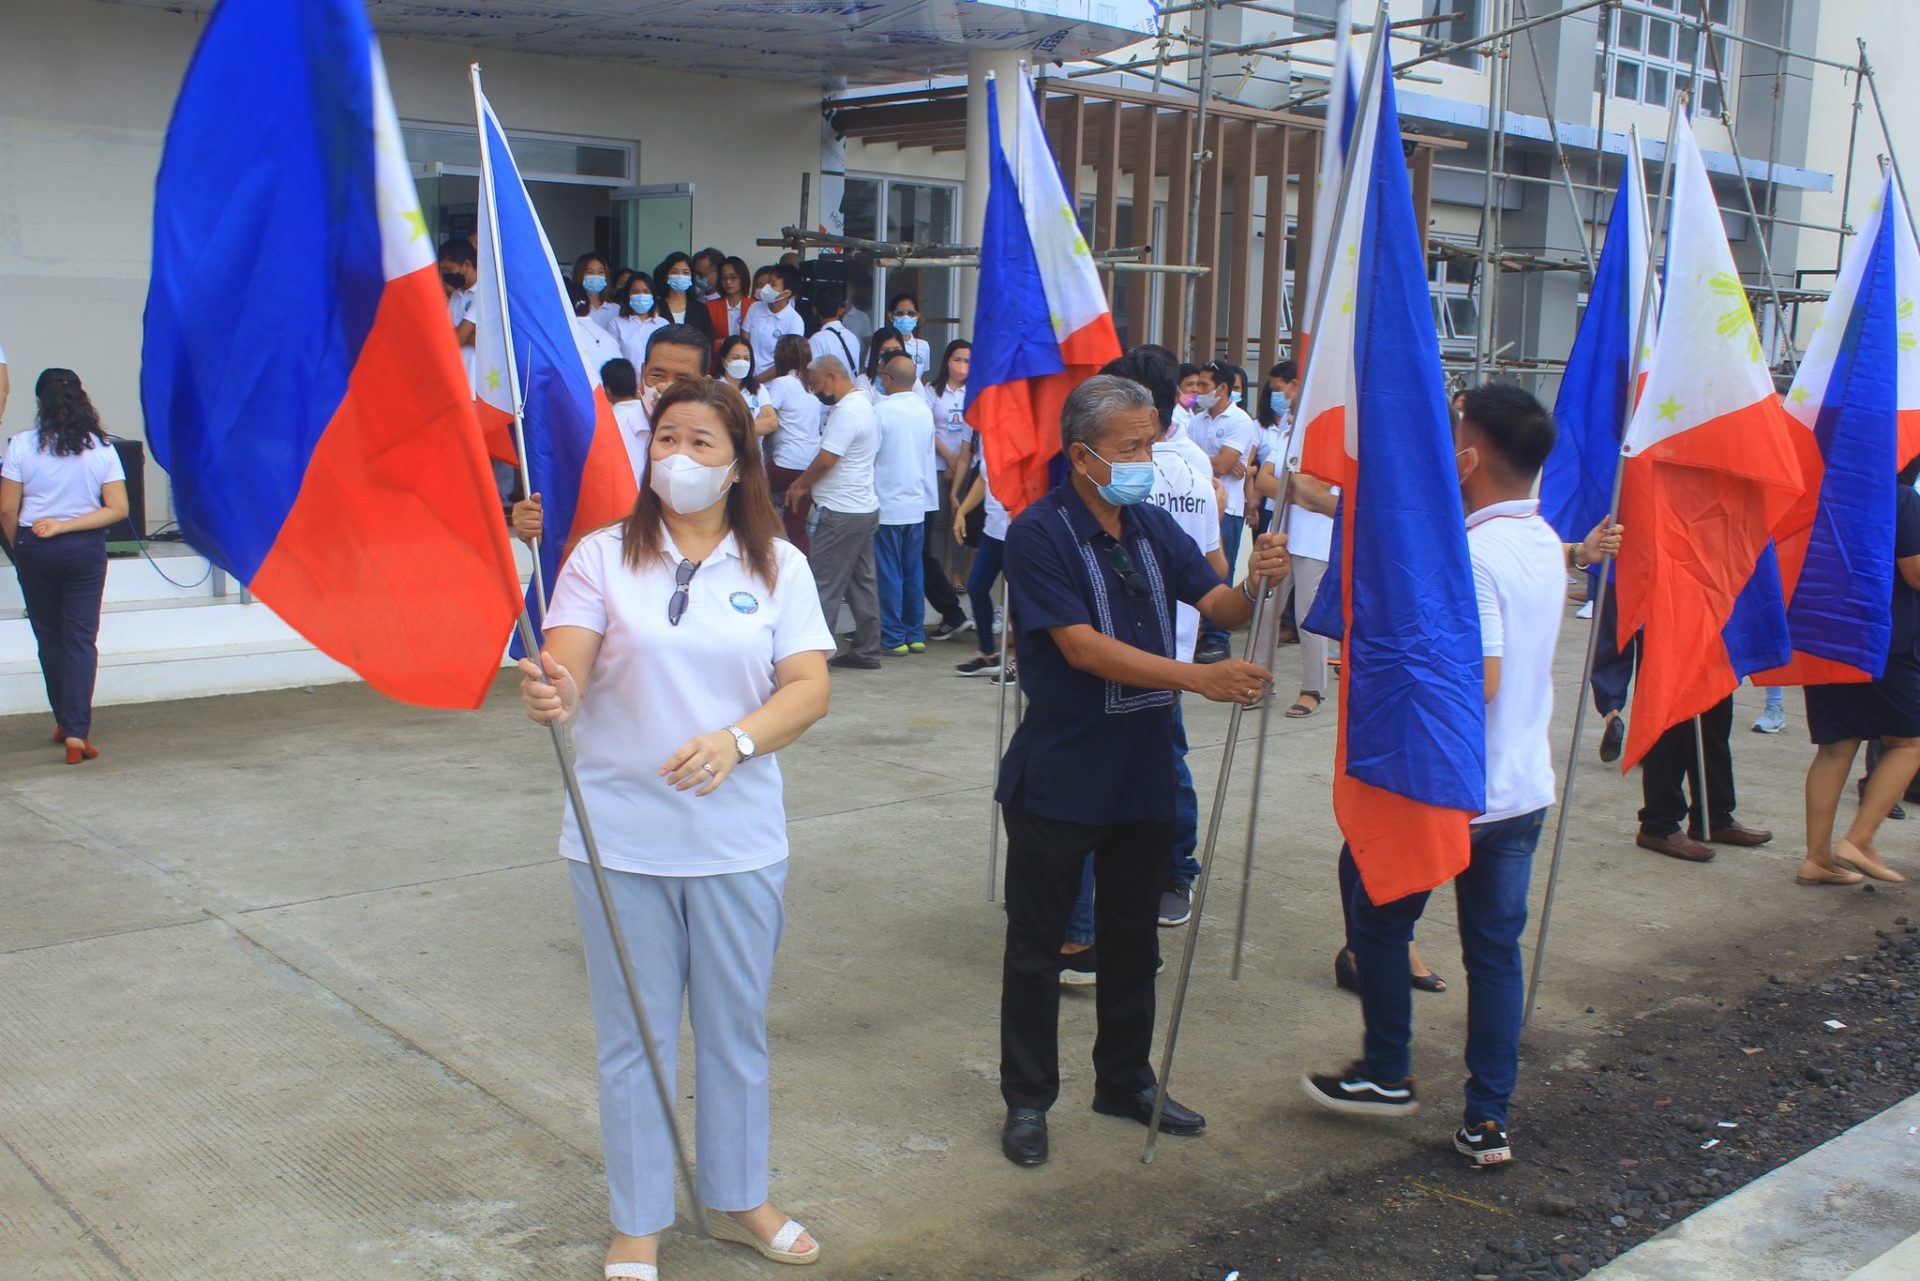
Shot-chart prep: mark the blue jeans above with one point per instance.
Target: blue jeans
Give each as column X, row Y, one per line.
column 1491, row 897
column 900, row 572
column 1231, row 527
column 987, row 559
column 1184, row 867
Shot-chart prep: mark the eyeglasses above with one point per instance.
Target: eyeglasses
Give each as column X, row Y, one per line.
column 1130, row 576
column 899, row 315
column 677, row 607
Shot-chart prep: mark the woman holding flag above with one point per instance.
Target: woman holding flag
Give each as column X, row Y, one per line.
column 685, row 645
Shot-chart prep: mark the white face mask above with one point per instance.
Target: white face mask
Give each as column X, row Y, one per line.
column 686, row 485
column 768, row 293
column 738, row 369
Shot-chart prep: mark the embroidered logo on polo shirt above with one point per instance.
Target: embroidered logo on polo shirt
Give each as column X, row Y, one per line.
column 744, row 602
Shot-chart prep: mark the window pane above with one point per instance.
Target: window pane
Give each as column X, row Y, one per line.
column 1721, row 10
column 1709, row 97
column 1465, row 317
column 1630, row 31
column 1719, row 53
column 1689, row 44
column 1658, row 4
column 1655, row 88
column 1626, row 79
column 861, row 208
column 1439, row 321
column 1691, row 8
column 1660, row 39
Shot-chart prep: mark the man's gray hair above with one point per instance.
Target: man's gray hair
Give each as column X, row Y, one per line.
column 1091, row 404
column 830, row 365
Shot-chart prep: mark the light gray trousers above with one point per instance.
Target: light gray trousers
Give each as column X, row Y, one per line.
column 711, row 939
column 1304, row 583
column 841, row 557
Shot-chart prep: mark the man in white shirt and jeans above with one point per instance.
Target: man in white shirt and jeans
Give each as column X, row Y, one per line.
column 1228, row 436
column 840, row 483
column 908, row 489
column 1519, row 577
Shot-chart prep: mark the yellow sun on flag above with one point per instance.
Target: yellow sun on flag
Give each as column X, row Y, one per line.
column 1737, row 320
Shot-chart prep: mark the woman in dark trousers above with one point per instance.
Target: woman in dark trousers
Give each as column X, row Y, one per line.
column 61, row 486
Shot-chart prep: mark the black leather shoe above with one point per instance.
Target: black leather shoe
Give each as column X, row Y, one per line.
column 1174, row 1119
column 1024, row 1137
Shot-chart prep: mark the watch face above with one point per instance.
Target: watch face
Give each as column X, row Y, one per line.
column 744, row 741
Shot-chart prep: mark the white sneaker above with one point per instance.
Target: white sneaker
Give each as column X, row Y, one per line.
column 1772, row 721
column 1585, row 611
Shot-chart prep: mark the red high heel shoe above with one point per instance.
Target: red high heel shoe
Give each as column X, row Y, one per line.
column 85, row 752
column 59, row 733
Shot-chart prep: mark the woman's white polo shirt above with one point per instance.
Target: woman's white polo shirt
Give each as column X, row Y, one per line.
column 654, row 686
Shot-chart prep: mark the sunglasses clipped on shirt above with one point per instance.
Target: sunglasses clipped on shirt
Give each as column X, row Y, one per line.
column 682, row 578
column 1122, row 563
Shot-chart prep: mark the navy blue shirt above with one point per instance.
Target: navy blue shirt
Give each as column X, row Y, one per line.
column 1089, row 750
column 1905, row 641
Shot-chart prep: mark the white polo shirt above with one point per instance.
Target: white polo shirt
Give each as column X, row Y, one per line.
column 1183, row 488
column 655, row 685
column 997, row 519
column 796, row 441
column 1231, row 428
column 764, row 327
column 836, row 340
column 56, row 486
column 853, row 434
column 633, row 333
column 949, row 419
column 636, row 433
column 903, row 471
column 1520, row 582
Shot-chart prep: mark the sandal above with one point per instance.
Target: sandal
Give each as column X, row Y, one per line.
column 632, row 1272
column 1300, row 711
column 1429, row 982
column 725, row 1227
column 1826, row 876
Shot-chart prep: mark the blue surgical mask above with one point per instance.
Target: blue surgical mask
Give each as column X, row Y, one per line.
column 1131, row 482
column 594, row 284
column 1234, row 396
column 641, row 304
column 679, row 284
column 1278, row 402
column 906, row 324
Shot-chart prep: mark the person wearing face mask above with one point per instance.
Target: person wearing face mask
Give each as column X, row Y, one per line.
column 772, row 314
column 1192, row 379
column 1093, row 573
column 1228, row 436
column 590, row 274
column 736, row 370
column 706, row 273
column 795, row 441
column 908, row 489
column 903, row 315
column 839, row 482
column 884, row 348
column 676, row 353
column 944, row 554
column 459, row 269
column 727, row 309
column 684, row 647
column 675, row 301
column 1309, row 526
column 1503, row 436
column 635, row 325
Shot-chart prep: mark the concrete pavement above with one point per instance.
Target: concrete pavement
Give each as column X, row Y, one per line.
column 291, row 988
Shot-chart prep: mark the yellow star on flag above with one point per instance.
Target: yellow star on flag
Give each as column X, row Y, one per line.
column 1669, row 409
column 1797, row 396
column 493, row 380
column 416, row 220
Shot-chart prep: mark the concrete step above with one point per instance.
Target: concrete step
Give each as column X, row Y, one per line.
column 1902, row 1263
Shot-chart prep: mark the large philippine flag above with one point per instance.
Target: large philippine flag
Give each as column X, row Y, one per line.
column 1576, row 485
column 1041, row 327
column 1410, row 761
column 300, row 379
column 1857, row 394
column 1713, row 470
column 575, row 459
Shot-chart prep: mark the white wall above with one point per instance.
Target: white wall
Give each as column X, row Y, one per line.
column 85, row 93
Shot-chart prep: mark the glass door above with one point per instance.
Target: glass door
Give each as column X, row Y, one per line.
column 651, row 222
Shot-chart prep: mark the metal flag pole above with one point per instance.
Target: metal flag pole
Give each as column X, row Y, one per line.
column 1606, row 561
column 480, row 112
column 1873, row 87
column 1700, row 794
column 999, row 746
column 1266, row 627
column 1375, row 56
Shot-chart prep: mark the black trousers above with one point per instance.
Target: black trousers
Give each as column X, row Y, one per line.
column 1044, row 862
column 939, row 585
column 62, row 579
column 1670, row 771
column 1612, row 668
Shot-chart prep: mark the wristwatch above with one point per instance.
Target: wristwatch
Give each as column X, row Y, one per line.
column 743, row 741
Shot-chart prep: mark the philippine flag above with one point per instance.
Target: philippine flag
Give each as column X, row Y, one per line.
column 1317, row 444
column 1857, row 394
column 575, row 459
column 1042, row 326
column 1713, row 471
column 1410, row 761
column 300, row 380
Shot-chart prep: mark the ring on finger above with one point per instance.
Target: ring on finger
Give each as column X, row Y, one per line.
column 708, row 768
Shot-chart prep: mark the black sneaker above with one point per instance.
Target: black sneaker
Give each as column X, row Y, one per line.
column 1613, row 738
column 980, row 665
column 947, row 631
column 1079, row 969
column 1212, row 653
column 1007, row 676
column 1483, row 1144
column 858, row 662
column 1352, row 1093
column 1176, row 907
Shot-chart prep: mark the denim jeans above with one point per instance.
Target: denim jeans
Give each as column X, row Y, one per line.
column 898, row 568
column 1231, row 527
column 1183, row 867
column 986, row 567
column 1491, row 898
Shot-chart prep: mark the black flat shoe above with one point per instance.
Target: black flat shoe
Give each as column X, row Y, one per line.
column 1345, row 976
column 1174, row 1119
column 1612, row 739
column 1023, row 1139
column 1429, row 983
